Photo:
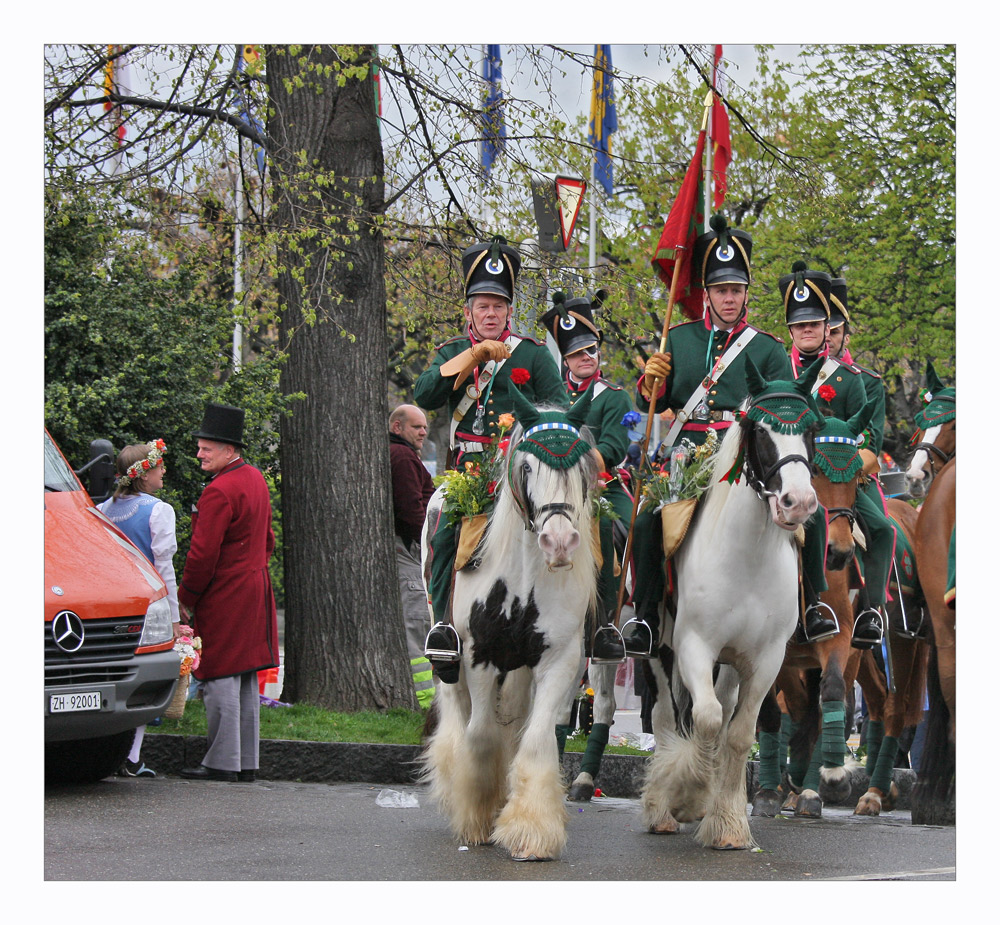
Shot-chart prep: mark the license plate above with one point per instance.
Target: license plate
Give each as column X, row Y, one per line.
column 75, row 703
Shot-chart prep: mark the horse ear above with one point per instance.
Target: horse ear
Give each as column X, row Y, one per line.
column 755, row 381
column 863, row 418
column 525, row 413
column 577, row 414
column 934, row 384
column 807, row 378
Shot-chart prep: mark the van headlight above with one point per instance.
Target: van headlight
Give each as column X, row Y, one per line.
column 158, row 626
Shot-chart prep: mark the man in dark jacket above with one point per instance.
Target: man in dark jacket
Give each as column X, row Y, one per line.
column 227, row 586
column 411, row 490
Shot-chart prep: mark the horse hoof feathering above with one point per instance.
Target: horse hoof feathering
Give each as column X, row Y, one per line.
column 492, row 762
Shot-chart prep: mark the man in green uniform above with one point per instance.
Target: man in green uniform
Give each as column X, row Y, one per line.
column 879, row 530
column 473, row 375
column 702, row 378
column 839, row 392
column 578, row 338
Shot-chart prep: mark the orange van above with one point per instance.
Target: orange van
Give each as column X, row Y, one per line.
column 109, row 659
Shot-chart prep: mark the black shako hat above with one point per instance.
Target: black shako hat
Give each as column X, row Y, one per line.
column 722, row 255
column 838, row 302
column 491, row 268
column 571, row 321
column 222, row 423
column 806, row 294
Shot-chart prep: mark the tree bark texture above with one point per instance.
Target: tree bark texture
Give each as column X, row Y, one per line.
column 345, row 646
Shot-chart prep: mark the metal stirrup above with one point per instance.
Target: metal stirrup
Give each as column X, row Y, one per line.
column 639, row 622
column 443, row 655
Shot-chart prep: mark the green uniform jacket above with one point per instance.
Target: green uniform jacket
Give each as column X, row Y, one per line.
column 874, row 388
column 849, row 388
column 544, row 385
column 610, row 436
column 692, row 359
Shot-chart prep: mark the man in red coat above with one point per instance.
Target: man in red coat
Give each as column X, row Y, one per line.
column 227, row 585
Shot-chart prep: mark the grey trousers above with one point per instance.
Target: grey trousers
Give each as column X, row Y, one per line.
column 232, row 709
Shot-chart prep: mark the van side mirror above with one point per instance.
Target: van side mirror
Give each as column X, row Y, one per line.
column 100, row 470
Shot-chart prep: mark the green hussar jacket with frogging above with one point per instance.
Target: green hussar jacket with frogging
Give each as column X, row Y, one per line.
column 543, row 385
column 695, row 350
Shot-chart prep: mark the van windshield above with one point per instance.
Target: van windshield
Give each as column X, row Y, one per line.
column 58, row 476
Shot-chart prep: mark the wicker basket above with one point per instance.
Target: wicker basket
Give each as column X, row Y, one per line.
column 176, row 708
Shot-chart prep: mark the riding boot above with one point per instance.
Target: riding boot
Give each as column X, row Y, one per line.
column 880, row 538
column 443, row 649
column 641, row 634
column 607, row 644
column 869, row 626
column 817, row 619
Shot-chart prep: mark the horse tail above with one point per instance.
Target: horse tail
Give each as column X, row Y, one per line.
column 933, row 799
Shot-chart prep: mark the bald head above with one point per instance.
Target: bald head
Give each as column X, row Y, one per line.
column 410, row 423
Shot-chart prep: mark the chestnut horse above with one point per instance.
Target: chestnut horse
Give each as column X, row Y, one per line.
column 935, row 441
column 890, row 710
column 933, row 797
column 816, row 702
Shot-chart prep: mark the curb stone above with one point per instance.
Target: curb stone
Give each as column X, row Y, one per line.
column 339, row 762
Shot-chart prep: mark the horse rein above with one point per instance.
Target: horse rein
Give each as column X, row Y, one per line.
column 929, row 448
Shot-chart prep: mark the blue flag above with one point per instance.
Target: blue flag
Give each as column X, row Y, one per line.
column 248, row 55
column 494, row 130
column 603, row 118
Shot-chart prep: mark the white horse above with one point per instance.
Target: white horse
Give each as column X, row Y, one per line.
column 737, row 605
column 492, row 761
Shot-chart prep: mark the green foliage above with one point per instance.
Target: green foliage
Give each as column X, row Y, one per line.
column 133, row 353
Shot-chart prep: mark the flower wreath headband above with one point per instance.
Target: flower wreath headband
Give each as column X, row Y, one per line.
column 138, row 469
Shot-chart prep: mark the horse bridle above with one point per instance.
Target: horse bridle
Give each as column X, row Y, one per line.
column 832, row 513
column 931, row 448
column 751, row 465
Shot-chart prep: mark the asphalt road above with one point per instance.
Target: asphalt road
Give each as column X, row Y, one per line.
column 172, row 829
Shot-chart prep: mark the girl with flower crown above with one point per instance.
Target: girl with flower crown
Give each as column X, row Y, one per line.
column 150, row 524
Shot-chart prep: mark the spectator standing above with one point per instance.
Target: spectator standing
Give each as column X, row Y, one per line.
column 150, row 524
column 411, row 490
column 227, row 585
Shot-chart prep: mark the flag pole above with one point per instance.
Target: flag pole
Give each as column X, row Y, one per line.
column 593, row 221
column 651, row 415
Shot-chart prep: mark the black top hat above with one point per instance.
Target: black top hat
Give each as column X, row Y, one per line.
column 806, row 294
column 222, row 423
column 571, row 321
column 491, row 268
column 838, row 302
column 722, row 255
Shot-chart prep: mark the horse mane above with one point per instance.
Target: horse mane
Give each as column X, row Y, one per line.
column 718, row 491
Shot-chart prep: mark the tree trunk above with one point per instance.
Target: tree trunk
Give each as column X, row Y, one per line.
column 345, row 646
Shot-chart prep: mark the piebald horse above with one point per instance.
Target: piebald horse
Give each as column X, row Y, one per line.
column 817, row 707
column 492, row 761
column 737, row 605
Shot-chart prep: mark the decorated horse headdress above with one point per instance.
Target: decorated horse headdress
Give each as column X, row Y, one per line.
column 837, row 454
column 939, row 402
column 553, row 436
column 785, row 406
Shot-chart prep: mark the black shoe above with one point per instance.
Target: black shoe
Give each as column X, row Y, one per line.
column 608, row 645
column 135, row 769
column 638, row 639
column 443, row 649
column 247, row 777
column 821, row 622
column 205, row 773
column 447, row 672
column 867, row 629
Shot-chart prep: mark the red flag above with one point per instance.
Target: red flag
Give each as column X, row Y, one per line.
column 722, row 149
column 683, row 225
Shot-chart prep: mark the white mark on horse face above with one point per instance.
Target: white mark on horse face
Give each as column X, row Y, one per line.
column 918, row 475
column 795, row 500
column 556, row 503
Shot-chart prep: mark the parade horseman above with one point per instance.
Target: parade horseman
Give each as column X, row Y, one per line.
column 702, row 376
column 840, row 391
column 473, row 375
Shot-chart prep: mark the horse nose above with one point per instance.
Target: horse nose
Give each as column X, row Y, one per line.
column 558, row 544
column 793, row 501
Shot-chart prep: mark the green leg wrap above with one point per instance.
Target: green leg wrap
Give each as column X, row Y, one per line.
column 770, row 770
column 783, row 734
column 562, row 731
column 592, row 754
column 833, row 733
column 881, row 777
column 796, row 765
column 811, row 780
column 873, row 741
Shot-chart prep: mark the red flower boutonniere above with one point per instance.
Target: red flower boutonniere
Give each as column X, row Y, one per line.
column 519, row 376
column 827, row 392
